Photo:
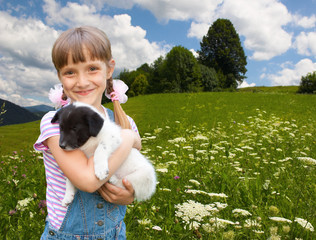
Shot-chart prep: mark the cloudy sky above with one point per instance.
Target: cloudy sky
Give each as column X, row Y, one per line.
column 278, row 37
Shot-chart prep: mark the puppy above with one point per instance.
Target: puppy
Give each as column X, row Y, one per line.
column 83, row 127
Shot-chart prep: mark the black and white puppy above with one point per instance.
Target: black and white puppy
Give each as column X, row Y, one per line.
column 83, row 127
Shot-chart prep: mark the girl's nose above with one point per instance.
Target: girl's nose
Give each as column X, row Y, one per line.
column 82, row 80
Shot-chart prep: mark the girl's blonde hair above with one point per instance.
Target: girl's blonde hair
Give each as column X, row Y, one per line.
column 98, row 45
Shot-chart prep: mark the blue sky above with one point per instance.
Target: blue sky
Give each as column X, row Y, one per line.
column 278, row 37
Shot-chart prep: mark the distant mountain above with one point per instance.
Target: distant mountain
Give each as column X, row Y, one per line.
column 15, row 114
column 39, row 110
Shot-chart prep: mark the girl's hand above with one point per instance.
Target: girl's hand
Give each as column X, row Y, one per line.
column 114, row 194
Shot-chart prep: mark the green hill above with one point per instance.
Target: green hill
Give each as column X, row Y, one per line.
column 276, row 89
column 151, row 111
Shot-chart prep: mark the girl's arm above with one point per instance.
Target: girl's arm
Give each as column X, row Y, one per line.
column 80, row 170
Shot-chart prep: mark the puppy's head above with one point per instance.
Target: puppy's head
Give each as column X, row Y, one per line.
column 77, row 124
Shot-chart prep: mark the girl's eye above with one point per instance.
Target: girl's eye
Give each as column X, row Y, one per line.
column 93, row 69
column 68, row 73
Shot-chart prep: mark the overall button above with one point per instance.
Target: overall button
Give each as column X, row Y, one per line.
column 51, row 233
column 100, row 205
column 100, row 223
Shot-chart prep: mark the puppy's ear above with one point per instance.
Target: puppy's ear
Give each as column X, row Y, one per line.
column 56, row 117
column 95, row 122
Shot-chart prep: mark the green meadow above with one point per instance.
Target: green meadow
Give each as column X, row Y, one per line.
column 230, row 165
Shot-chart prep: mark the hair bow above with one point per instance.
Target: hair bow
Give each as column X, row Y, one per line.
column 55, row 95
column 120, row 88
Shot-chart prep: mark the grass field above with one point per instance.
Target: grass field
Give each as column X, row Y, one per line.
column 229, row 165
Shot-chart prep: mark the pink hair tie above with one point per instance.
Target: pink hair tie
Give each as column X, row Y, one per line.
column 119, row 90
column 114, row 96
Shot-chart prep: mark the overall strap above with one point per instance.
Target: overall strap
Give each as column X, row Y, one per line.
column 111, row 114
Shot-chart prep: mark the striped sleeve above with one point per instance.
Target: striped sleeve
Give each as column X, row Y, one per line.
column 47, row 130
column 133, row 124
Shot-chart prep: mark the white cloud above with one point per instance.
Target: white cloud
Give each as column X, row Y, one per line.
column 130, row 47
column 244, row 84
column 305, row 21
column 201, row 11
column 261, row 22
column 292, row 76
column 25, row 58
column 305, row 43
column 165, row 10
column 26, row 40
column 17, row 79
column 198, row 30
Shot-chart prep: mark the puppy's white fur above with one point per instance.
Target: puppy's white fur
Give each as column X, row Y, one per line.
column 136, row 168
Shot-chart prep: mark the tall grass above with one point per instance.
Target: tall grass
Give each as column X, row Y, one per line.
column 229, row 166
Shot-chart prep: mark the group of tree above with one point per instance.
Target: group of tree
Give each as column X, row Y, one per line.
column 221, row 64
column 308, row 83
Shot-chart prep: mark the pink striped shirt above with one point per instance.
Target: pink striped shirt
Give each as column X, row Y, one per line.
column 55, row 178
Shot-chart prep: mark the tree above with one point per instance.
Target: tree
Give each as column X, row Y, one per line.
column 2, row 111
column 209, row 78
column 308, row 83
column 221, row 49
column 181, row 71
column 154, row 79
column 139, row 85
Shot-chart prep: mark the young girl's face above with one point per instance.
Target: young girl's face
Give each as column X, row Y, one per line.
column 85, row 81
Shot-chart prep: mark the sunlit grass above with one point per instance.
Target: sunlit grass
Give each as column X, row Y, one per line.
column 229, row 166
column 233, row 181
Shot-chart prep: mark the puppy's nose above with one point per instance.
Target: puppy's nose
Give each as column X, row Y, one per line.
column 63, row 146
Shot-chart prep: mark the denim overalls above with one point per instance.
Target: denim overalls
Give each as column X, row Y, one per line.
column 90, row 217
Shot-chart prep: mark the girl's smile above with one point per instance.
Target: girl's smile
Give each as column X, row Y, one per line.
column 84, row 93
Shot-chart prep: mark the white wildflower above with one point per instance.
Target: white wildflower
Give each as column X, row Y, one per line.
column 280, row 219
column 177, row 140
column 305, row 224
column 208, row 227
column 266, row 185
column 162, row 170
column 15, row 182
column 258, row 231
column 144, row 221
column 157, row 228
column 22, row 204
column 285, row 159
column 195, row 182
column 192, row 210
column 241, row 212
column 200, row 137
column 221, row 195
column 223, row 221
column 165, row 189
column 152, row 137
column 247, row 147
column 307, row 160
column 251, row 223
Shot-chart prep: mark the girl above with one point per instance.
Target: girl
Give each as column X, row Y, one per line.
column 84, row 64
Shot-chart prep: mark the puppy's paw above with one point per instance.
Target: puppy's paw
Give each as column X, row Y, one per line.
column 101, row 172
column 67, row 200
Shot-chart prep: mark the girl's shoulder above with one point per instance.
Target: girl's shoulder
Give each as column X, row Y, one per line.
column 47, row 118
column 47, row 130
